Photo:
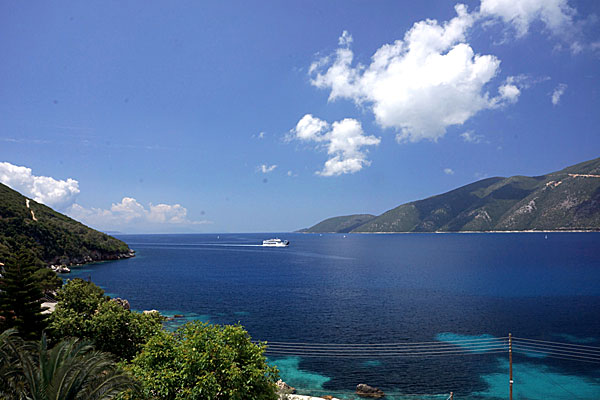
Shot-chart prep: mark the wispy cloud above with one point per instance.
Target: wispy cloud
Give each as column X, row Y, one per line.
column 448, row 171
column 557, row 16
column 22, row 140
column 472, row 137
column 265, row 169
column 558, row 92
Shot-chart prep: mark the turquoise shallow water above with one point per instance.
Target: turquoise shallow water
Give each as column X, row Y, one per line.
column 371, row 289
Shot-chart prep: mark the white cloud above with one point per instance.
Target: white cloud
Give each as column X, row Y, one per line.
column 58, row 194
column 558, row 92
column 344, row 141
column 261, row 135
column 471, row 137
column 448, row 171
column 509, row 92
column 61, row 195
column 345, row 40
column 421, row 85
column 130, row 213
column 311, row 128
column 556, row 15
column 265, row 169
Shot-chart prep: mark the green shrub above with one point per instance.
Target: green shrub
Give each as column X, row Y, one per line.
column 208, row 362
column 84, row 312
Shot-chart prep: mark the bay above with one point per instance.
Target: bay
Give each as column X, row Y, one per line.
column 384, row 288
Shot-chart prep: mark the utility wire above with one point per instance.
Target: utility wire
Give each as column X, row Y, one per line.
column 480, row 346
column 436, row 351
column 555, row 350
column 370, row 357
column 548, row 343
column 557, row 355
column 437, row 342
column 368, row 347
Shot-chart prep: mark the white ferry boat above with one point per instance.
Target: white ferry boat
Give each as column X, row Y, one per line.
column 276, row 243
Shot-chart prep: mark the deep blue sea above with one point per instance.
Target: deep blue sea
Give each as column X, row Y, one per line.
column 388, row 288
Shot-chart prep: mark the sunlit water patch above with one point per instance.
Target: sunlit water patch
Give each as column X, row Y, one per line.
column 372, row 363
column 293, row 375
column 575, row 339
column 536, row 381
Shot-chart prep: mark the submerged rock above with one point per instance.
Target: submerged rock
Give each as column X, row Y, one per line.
column 365, row 390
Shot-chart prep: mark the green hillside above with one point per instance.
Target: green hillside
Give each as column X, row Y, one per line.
column 343, row 224
column 53, row 237
column 564, row 200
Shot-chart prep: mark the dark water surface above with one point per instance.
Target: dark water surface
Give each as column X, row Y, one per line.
column 401, row 288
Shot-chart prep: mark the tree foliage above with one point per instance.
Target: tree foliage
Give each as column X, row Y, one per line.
column 47, row 279
column 202, row 361
column 11, row 378
column 20, row 295
column 71, row 370
column 83, row 311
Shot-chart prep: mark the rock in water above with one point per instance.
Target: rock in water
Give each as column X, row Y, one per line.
column 284, row 387
column 364, row 390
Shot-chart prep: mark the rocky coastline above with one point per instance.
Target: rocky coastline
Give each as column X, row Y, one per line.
column 62, row 265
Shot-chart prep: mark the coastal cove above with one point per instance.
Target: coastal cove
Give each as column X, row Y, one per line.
column 373, row 289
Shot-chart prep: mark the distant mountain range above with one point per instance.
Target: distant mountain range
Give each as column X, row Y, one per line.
column 53, row 237
column 568, row 199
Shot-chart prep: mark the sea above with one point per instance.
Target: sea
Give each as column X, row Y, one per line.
column 336, row 305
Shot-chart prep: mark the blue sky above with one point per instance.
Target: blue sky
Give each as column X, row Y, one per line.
column 240, row 116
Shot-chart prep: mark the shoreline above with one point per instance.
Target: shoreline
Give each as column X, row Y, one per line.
column 453, row 232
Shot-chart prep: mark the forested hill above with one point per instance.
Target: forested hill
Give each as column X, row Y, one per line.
column 53, row 237
column 568, row 199
column 341, row 224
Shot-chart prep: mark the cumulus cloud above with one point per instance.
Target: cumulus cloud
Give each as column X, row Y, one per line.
column 265, row 169
column 509, row 92
column 129, row 212
column 421, row 85
column 558, row 92
column 344, row 141
column 448, row 171
column 58, row 194
column 61, row 195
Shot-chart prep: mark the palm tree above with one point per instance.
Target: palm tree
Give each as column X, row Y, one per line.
column 71, row 370
column 11, row 376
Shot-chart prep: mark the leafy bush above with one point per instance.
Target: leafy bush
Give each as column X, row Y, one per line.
column 84, row 312
column 208, row 362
